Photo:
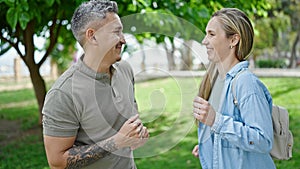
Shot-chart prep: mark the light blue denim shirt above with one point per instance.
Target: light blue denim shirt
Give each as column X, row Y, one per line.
column 240, row 138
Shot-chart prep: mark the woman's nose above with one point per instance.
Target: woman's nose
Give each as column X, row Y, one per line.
column 204, row 41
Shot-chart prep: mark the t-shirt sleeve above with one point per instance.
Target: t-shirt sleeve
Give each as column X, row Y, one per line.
column 59, row 115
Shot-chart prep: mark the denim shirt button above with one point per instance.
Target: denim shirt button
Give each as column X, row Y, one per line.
column 251, row 142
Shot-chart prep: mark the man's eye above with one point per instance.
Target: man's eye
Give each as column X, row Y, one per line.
column 117, row 32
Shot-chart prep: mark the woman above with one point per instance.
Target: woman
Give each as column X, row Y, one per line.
column 230, row 136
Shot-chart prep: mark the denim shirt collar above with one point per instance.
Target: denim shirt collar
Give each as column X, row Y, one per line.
column 237, row 68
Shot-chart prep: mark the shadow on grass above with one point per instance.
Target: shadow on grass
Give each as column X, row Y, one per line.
column 27, row 115
column 285, row 89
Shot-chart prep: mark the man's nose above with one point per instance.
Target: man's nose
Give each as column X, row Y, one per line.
column 122, row 39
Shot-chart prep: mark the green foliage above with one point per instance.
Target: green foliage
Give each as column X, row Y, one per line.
column 4, row 47
column 12, row 17
column 278, row 30
column 20, row 11
column 266, row 38
column 271, row 63
column 65, row 50
column 25, row 19
column 182, row 19
column 28, row 152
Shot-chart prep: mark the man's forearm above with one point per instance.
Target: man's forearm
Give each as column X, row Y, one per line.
column 85, row 155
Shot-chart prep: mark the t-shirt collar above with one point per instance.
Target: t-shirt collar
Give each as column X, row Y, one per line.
column 91, row 73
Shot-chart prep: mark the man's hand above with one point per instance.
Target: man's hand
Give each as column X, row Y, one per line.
column 132, row 134
column 143, row 138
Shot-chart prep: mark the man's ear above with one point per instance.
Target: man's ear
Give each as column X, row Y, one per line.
column 90, row 36
column 235, row 39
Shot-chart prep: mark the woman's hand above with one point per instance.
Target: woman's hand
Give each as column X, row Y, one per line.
column 203, row 111
column 195, row 151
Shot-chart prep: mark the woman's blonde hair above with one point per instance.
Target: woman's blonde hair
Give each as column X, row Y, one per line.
column 233, row 21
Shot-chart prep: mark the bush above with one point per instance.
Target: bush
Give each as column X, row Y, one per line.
column 270, row 63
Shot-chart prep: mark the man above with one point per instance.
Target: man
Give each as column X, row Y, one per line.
column 90, row 117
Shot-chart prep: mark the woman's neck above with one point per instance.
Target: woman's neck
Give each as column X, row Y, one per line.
column 225, row 66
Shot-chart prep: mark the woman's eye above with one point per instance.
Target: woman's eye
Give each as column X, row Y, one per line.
column 210, row 34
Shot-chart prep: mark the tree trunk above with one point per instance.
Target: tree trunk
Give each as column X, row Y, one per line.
column 170, row 56
column 187, row 55
column 275, row 43
column 143, row 63
column 34, row 69
column 38, row 86
column 293, row 53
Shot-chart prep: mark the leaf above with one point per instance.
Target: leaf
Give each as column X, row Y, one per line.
column 24, row 19
column 58, row 2
column 12, row 17
column 145, row 4
column 132, row 7
column 203, row 12
column 24, row 5
column 10, row 3
column 50, row 2
column 35, row 12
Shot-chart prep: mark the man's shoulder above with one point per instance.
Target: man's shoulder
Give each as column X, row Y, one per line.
column 64, row 82
column 124, row 66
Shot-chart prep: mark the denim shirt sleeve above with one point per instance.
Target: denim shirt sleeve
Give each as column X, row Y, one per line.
column 253, row 130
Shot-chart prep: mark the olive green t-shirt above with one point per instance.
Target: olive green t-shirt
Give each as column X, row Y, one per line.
column 92, row 107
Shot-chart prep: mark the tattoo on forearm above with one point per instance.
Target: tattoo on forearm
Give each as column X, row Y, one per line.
column 85, row 155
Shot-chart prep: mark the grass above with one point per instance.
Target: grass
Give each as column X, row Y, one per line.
column 19, row 105
column 25, row 153
column 165, row 106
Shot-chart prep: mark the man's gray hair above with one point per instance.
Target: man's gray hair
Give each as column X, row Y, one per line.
column 87, row 12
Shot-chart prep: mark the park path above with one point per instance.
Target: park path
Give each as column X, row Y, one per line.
column 9, row 83
column 295, row 73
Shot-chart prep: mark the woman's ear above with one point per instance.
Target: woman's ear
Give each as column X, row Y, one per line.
column 235, row 39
